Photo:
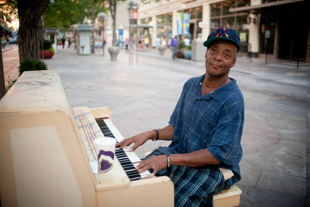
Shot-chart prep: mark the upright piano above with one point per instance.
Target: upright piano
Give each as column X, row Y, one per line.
column 47, row 155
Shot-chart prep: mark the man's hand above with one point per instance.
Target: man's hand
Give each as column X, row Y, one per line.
column 138, row 140
column 156, row 163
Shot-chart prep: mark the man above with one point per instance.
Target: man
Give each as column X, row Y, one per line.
column 205, row 129
column 174, row 44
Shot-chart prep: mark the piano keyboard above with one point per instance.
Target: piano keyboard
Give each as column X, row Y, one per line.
column 128, row 160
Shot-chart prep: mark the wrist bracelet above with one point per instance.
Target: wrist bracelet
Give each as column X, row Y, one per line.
column 157, row 135
column 168, row 161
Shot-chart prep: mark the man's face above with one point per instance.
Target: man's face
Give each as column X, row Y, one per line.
column 220, row 57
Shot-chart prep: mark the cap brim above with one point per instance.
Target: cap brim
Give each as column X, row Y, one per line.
column 208, row 42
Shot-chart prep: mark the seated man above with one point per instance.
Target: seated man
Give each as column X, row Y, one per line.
column 205, row 128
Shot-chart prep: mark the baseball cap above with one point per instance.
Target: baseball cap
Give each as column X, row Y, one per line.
column 223, row 33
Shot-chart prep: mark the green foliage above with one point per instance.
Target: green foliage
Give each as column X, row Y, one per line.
column 47, row 44
column 10, row 83
column 64, row 13
column 188, row 48
column 181, row 45
column 7, row 9
column 52, row 50
column 31, row 65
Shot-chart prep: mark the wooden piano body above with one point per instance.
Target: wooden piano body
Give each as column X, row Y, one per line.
column 43, row 160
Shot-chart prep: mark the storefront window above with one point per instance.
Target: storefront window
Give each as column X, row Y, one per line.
column 215, row 23
column 216, row 9
column 199, row 12
column 242, row 28
column 164, row 25
column 267, row 33
column 226, row 6
column 229, row 22
column 221, row 17
column 146, row 21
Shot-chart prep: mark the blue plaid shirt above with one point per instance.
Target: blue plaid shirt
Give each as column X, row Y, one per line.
column 213, row 121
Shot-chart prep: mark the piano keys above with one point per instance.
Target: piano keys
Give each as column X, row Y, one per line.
column 46, row 159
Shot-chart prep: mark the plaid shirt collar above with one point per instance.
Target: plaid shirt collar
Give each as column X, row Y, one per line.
column 218, row 94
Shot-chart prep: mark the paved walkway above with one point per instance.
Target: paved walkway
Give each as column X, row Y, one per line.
column 142, row 96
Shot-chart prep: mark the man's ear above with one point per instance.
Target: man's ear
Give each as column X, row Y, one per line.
column 234, row 62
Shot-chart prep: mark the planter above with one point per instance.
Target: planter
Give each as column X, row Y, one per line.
column 180, row 54
column 113, row 52
column 162, row 49
column 3, row 45
column 188, row 55
column 47, row 54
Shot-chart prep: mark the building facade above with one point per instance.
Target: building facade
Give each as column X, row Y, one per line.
column 279, row 29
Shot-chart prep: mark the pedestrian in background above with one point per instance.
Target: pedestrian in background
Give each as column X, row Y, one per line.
column 63, row 40
column 174, row 44
column 163, row 41
column 157, row 42
column 126, row 43
column 146, row 42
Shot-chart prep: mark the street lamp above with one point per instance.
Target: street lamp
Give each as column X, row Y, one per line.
column 133, row 19
column 101, row 17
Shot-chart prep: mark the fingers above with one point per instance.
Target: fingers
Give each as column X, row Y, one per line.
column 156, row 163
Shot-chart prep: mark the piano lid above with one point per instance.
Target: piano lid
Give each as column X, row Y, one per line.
column 36, row 91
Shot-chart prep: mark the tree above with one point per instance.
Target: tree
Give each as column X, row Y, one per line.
column 63, row 13
column 112, row 8
column 7, row 9
column 30, row 27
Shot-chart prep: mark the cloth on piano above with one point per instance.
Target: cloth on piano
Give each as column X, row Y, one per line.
column 193, row 186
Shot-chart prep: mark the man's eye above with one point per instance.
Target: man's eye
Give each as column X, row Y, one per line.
column 227, row 55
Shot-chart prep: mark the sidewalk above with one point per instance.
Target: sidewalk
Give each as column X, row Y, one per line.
column 142, row 96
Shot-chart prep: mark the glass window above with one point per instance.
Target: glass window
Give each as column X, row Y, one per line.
column 226, row 6
column 199, row 12
column 244, row 3
column 198, row 31
column 228, row 22
column 147, row 21
column 216, row 9
column 267, row 33
column 215, row 23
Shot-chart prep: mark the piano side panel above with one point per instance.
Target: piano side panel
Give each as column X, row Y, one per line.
column 154, row 192
column 42, row 162
column 103, row 113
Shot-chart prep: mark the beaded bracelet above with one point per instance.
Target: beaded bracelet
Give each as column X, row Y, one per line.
column 157, row 135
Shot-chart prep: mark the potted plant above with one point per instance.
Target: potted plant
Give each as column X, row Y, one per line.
column 188, row 52
column 162, row 49
column 180, row 49
column 3, row 42
column 31, row 65
column 48, row 50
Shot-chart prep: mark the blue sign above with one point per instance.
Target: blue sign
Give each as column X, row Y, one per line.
column 185, row 24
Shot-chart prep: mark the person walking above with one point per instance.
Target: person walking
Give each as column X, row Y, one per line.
column 205, row 128
column 174, row 44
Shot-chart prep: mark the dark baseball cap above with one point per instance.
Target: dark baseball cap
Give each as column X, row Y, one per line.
column 225, row 34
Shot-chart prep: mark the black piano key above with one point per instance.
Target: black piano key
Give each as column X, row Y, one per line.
column 128, row 167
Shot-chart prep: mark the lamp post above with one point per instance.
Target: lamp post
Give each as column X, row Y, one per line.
column 133, row 20
column 101, row 17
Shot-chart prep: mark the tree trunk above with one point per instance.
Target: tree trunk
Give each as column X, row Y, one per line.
column 30, row 27
column 112, row 8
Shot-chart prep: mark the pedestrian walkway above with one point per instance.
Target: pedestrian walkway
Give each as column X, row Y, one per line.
column 142, row 96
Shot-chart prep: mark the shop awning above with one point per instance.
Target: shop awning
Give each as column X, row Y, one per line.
column 258, row 8
column 5, row 30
